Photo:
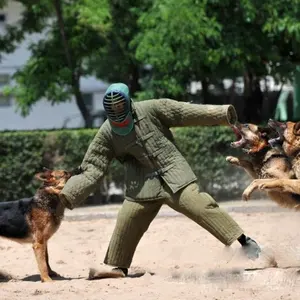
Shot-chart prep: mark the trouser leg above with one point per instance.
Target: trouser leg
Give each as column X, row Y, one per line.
column 132, row 222
column 205, row 211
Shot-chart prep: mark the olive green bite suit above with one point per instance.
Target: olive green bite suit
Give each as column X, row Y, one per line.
column 156, row 173
column 134, row 219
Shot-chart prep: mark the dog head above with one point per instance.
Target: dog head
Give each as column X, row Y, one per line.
column 54, row 180
column 288, row 133
column 251, row 138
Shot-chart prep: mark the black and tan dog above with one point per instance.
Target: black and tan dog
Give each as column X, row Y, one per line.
column 263, row 161
column 34, row 220
column 289, row 136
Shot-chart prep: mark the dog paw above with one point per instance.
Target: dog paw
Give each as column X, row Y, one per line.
column 257, row 184
column 268, row 184
column 249, row 190
column 246, row 196
column 263, row 186
column 233, row 160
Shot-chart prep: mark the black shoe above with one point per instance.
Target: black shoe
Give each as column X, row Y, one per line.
column 121, row 271
column 251, row 248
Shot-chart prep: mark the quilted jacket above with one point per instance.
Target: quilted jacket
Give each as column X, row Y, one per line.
column 149, row 153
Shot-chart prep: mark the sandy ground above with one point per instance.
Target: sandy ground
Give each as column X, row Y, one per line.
column 176, row 259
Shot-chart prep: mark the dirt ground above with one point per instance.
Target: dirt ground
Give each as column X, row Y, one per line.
column 176, row 259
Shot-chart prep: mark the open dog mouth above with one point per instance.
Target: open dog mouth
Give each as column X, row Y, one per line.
column 240, row 140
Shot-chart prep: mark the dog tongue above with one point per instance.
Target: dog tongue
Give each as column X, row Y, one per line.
column 239, row 138
column 238, row 143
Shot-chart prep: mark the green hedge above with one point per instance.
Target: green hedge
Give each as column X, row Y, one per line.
column 25, row 153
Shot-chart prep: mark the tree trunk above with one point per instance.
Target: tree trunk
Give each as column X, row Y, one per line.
column 205, row 93
column 232, row 94
column 253, row 98
column 75, row 75
column 257, row 100
column 80, row 103
column 134, row 84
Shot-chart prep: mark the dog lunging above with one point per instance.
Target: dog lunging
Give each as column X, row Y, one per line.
column 267, row 163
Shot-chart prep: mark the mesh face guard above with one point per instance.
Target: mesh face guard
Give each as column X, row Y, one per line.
column 116, row 106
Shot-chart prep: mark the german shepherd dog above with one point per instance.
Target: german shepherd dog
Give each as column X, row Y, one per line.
column 34, row 220
column 264, row 162
column 289, row 136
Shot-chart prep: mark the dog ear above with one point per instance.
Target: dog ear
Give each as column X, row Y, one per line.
column 296, row 129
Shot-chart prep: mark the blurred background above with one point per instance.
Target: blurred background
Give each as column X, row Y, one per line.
column 57, row 57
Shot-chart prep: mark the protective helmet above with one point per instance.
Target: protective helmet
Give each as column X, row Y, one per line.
column 117, row 104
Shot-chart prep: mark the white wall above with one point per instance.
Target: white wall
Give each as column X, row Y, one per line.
column 10, row 62
column 43, row 115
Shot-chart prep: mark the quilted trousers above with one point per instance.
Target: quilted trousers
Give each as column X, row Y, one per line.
column 134, row 219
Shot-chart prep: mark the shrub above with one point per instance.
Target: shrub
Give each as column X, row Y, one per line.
column 24, row 153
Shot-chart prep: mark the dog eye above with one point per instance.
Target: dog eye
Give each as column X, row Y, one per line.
column 247, row 125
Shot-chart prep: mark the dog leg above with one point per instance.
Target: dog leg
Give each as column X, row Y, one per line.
column 39, row 248
column 281, row 191
column 247, row 165
column 282, row 185
column 257, row 184
column 50, row 271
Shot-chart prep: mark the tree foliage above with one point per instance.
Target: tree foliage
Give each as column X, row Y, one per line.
column 117, row 61
column 59, row 58
column 157, row 47
column 191, row 40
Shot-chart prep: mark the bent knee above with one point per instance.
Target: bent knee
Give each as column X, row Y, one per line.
column 208, row 200
column 193, row 194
